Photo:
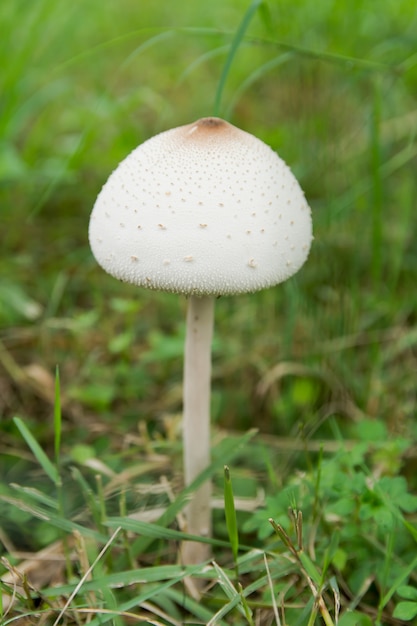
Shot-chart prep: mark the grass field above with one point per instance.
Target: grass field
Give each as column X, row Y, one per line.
column 323, row 367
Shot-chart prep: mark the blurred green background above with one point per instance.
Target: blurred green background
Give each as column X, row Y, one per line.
column 329, row 85
column 323, row 365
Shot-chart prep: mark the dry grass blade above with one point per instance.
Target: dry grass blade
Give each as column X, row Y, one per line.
column 86, row 575
column 40, row 569
column 271, row 588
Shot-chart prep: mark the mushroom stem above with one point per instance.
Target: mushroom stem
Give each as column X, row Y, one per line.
column 196, row 422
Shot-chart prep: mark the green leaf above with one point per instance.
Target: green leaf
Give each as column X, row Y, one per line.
column 408, row 503
column 15, row 304
column 371, row 430
column 405, row 610
column 97, row 395
column 121, row 342
column 407, row 592
column 354, row 618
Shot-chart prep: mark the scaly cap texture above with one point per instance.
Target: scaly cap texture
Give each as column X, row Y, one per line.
column 203, row 209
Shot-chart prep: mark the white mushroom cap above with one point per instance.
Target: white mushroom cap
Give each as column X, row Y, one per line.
column 203, row 209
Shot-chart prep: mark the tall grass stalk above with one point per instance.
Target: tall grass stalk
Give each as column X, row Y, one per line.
column 48, row 467
column 230, row 513
column 377, row 182
column 57, row 420
column 237, row 42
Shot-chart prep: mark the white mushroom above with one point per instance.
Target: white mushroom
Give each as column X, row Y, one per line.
column 202, row 210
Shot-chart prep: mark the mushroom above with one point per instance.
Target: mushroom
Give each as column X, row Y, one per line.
column 204, row 210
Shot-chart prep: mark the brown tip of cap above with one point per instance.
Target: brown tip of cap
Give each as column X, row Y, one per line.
column 207, row 127
column 211, row 122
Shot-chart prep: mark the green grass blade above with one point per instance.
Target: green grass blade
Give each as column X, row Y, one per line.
column 56, row 520
column 246, row 608
column 266, row 17
column 234, row 597
column 225, row 451
column 34, row 495
column 57, row 417
column 155, row 531
column 154, row 591
column 238, row 599
column 377, row 186
column 192, row 606
column 116, row 580
column 310, row 568
column 87, row 492
column 400, row 580
column 272, row 592
column 230, row 513
column 47, row 466
column 201, row 60
column 86, row 574
column 254, row 76
column 236, row 43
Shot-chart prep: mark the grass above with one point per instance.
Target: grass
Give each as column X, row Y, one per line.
column 323, row 366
